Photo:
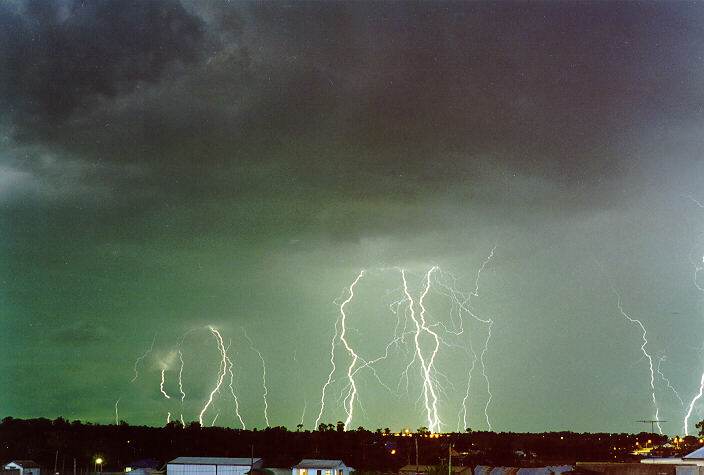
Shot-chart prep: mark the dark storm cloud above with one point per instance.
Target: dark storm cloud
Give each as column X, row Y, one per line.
column 57, row 55
column 548, row 88
column 359, row 106
column 391, row 88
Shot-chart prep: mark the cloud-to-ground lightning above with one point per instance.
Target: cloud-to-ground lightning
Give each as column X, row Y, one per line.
column 348, row 403
column 333, row 368
column 429, row 391
column 418, row 338
column 117, row 415
column 645, row 353
column 264, row 386
column 163, row 380
column 221, row 373
column 429, row 318
column 180, row 384
column 697, row 269
column 137, row 361
column 232, row 389
column 464, row 303
column 691, row 405
column 667, row 381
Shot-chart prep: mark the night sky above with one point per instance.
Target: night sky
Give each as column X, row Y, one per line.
column 528, row 167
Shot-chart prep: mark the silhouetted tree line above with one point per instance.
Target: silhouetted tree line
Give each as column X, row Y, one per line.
column 55, row 444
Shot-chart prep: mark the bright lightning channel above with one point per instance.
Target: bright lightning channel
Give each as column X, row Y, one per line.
column 464, row 304
column 221, row 373
column 232, row 391
column 136, row 363
column 646, row 354
column 161, row 386
column 352, row 393
column 180, row 384
column 697, row 270
column 691, row 405
column 264, row 386
column 667, row 381
column 429, row 391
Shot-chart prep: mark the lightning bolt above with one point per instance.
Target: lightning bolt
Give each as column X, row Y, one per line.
column 221, row 373
column 667, row 381
column 264, row 386
column 117, row 416
column 486, row 378
column 419, row 341
column 691, row 405
column 340, row 333
column 161, row 386
column 303, row 414
column 232, row 391
column 429, row 392
column 697, row 270
column 352, row 393
column 136, row 363
column 180, row 384
column 329, row 380
column 646, row 354
column 463, row 302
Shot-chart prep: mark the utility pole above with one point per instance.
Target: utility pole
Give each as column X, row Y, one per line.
column 652, row 424
column 449, row 461
column 416, row 440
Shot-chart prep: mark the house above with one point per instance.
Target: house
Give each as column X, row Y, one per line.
column 414, row 470
column 211, row 466
column 26, row 467
column 425, row 470
column 321, row 467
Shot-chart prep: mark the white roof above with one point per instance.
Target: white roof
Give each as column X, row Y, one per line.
column 319, row 463
column 214, row 461
column 697, row 454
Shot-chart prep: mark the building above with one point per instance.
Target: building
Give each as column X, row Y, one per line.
column 425, row 470
column 26, row 467
column 211, row 466
column 415, row 470
column 321, row 467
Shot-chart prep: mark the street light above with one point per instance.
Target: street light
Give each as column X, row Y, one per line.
column 98, row 466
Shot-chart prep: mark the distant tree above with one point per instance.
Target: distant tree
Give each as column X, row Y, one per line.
column 299, row 427
column 422, row 430
column 700, row 425
column 340, row 426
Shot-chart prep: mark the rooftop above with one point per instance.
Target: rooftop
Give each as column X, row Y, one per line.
column 214, row 461
column 25, row 463
column 318, row 463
